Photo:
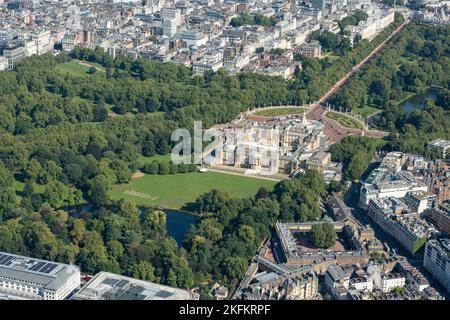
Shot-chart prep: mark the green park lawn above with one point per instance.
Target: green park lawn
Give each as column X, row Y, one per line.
column 72, row 68
column 330, row 56
column 76, row 69
column 280, row 111
column 366, row 111
column 175, row 191
column 344, row 120
column 19, row 186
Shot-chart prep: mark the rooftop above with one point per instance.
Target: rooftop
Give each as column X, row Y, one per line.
column 441, row 143
column 50, row 275
column 110, row 286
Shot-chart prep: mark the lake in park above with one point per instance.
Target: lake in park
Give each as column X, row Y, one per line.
column 418, row 101
column 177, row 222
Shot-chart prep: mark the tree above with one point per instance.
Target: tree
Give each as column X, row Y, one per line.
column 28, row 188
column 155, row 224
column 152, row 168
column 93, row 255
column 40, row 241
column 100, row 113
column 78, row 230
column 323, row 235
column 143, row 270
column 163, row 168
column 56, row 194
column 173, row 168
column 99, row 189
column 234, row 267
column 122, row 171
column 262, row 193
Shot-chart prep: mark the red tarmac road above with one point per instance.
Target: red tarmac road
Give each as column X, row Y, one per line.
column 332, row 129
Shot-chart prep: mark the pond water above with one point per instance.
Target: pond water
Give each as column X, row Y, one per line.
column 418, row 101
column 177, row 222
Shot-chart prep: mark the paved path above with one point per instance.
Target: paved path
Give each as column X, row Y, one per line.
column 332, row 129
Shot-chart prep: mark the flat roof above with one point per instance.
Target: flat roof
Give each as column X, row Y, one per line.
column 48, row 274
column 440, row 143
column 110, row 286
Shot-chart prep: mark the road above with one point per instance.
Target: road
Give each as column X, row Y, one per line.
column 332, row 129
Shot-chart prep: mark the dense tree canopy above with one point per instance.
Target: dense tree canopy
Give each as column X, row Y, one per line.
column 66, row 139
column 323, row 235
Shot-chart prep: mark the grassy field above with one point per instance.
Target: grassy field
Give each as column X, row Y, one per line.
column 176, row 191
column 366, row 111
column 330, row 56
column 280, row 112
column 76, row 69
column 72, row 68
column 19, row 186
column 344, row 120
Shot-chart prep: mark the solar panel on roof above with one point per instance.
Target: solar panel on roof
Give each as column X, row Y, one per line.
column 50, row 267
column 37, row 266
column 122, row 283
column 46, row 267
column 43, row 267
column 7, row 261
column 2, row 256
column 110, row 281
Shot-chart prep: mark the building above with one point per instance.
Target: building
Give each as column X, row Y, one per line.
column 273, row 286
column 193, row 38
column 337, row 282
column 437, row 260
column 13, row 55
column 390, row 180
column 443, row 146
column 415, row 280
column 342, row 213
column 219, row 292
column 312, row 49
column 43, row 42
column 110, row 286
column 419, row 201
column 437, row 178
column 440, row 217
column 395, row 218
column 391, row 281
column 200, row 67
column 3, row 63
column 372, row 26
column 295, row 256
column 171, row 13
column 362, row 283
column 268, row 145
column 169, row 27
column 318, row 4
column 319, row 161
column 26, row 278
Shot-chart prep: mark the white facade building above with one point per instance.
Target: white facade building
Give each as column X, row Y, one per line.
column 3, row 63
column 169, row 27
column 437, row 260
column 392, row 281
column 26, row 278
